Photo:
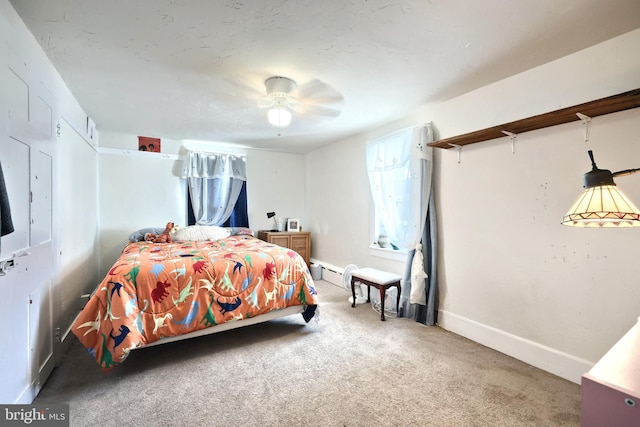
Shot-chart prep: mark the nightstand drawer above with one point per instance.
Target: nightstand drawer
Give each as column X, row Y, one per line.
column 299, row 242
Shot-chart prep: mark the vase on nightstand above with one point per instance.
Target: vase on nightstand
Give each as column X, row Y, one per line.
column 383, row 241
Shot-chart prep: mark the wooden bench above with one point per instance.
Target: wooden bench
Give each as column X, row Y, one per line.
column 378, row 279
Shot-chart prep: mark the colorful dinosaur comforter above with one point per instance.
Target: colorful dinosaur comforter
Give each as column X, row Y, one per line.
column 154, row 291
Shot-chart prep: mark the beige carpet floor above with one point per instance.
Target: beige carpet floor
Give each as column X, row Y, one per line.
column 345, row 369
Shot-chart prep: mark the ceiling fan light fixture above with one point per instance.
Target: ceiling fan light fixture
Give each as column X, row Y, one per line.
column 281, row 100
column 279, row 117
column 279, row 84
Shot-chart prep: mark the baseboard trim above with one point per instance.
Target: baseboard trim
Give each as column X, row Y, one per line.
column 26, row 397
column 546, row 358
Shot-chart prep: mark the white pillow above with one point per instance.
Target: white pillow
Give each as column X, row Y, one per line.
column 200, row 232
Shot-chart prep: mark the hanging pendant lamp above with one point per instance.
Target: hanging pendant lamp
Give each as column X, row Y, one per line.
column 602, row 204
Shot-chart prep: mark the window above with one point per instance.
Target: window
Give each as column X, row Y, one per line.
column 239, row 216
column 396, row 164
column 215, row 184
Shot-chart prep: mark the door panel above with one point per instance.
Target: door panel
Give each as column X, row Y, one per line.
column 18, row 97
column 41, row 214
column 41, row 336
column 41, row 118
column 14, row 156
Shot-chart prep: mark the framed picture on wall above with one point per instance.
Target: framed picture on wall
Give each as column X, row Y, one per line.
column 293, row 224
column 146, row 143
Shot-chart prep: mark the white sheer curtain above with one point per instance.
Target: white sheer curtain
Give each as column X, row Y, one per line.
column 400, row 170
column 215, row 181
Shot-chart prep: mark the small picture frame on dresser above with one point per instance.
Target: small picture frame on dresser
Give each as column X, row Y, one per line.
column 293, row 224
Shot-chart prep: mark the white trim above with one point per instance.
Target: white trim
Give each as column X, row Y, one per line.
column 25, row 397
column 394, row 132
column 323, row 264
column 81, row 134
column 122, row 152
column 396, row 255
column 546, row 358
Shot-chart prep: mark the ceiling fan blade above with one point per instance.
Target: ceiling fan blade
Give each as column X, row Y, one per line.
column 247, row 85
column 295, row 105
column 333, row 101
column 321, row 111
column 320, row 99
column 317, row 89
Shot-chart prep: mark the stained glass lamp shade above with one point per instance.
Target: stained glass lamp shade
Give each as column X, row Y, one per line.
column 602, row 204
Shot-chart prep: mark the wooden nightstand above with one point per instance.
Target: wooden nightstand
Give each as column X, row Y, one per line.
column 298, row 241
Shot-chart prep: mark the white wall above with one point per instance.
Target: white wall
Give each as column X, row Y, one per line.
column 510, row 269
column 76, row 201
column 136, row 191
column 142, row 189
column 338, row 200
column 275, row 183
column 511, row 277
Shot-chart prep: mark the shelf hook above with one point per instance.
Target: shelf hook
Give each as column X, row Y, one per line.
column 586, row 122
column 513, row 138
column 459, row 148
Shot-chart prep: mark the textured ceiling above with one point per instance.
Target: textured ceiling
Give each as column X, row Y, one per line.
column 195, row 69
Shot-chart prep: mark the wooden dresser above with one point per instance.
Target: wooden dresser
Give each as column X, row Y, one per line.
column 298, row 241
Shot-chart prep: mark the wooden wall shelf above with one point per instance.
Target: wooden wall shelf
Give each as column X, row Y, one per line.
column 611, row 104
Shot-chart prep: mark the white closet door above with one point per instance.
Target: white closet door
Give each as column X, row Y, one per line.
column 27, row 158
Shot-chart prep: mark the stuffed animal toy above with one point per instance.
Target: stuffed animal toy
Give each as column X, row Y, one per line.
column 164, row 237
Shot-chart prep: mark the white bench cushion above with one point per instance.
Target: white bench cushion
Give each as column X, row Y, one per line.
column 375, row 276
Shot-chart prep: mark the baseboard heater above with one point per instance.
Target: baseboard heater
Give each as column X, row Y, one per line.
column 332, row 274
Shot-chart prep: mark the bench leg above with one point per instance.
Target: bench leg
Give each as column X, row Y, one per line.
column 383, row 293
column 353, row 292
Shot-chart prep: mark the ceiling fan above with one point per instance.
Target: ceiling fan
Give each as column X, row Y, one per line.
column 284, row 97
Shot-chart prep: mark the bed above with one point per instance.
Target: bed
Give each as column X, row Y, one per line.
column 161, row 292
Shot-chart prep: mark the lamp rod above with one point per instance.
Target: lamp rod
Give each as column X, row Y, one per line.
column 620, row 173
column 593, row 162
column 626, row 172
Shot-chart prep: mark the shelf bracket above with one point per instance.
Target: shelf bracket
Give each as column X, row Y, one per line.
column 611, row 104
column 513, row 138
column 586, row 122
column 459, row 148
